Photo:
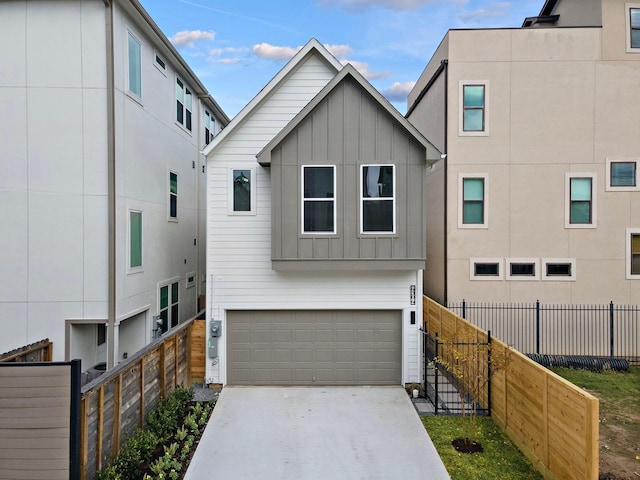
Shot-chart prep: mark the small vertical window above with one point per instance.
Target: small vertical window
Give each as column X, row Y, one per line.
column 183, row 104
column 634, row 27
column 160, row 63
column 581, row 195
column 378, row 199
column 101, row 333
column 135, row 66
column 209, row 127
column 633, row 253
column 473, row 105
column 242, row 190
column 173, row 196
column 473, row 197
column 135, row 239
column 318, row 199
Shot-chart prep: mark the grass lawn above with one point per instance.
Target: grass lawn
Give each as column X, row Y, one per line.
column 501, row 459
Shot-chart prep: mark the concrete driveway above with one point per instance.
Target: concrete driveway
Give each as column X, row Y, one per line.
column 315, row 433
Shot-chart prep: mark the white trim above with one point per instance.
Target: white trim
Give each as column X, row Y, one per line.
column 392, row 198
column 474, row 261
column 567, row 200
column 132, row 313
column 558, row 278
column 627, row 18
column 189, row 284
column 629, row 275
column 461, row 131
column 610, row 188
column 536, row 269
column 302, row 200
column 252, row 184
column 130, row 269
column 130, row 93
column 169, row 217
column 485, row 214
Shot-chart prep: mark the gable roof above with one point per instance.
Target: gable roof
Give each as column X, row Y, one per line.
column 264, row 156
column 313, row 46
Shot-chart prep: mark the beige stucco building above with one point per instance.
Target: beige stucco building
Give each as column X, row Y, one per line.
column 538, row 196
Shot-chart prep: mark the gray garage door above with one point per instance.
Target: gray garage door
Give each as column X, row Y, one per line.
column 314, row 347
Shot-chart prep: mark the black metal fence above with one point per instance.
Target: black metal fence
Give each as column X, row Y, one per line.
column 611, row 331
column 456, row 375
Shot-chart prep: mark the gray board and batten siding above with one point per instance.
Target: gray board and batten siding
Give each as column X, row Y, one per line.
column 347, row 126
column 341, row 347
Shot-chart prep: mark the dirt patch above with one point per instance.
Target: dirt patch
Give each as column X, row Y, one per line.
column 466, row 445
column 619, row 440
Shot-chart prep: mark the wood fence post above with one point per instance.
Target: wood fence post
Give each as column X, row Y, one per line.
column 142, row 382
column 163, row 370
column 84, row 429
column 100, row 428
column 117, row 400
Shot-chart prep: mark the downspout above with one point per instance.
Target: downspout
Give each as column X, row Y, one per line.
column 445, row 65
column 111, row 184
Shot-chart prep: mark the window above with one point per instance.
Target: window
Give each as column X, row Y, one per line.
column 101, row 333
column 191, row 279
column 160, row 63
column 173, row 196
column 472, row 201
column 474, row 101
column 209, row 127
column 485, row 269
column 633, row 253
column 523, row 269
column 559, row 269
column 633, row 27
column 135, row 69
column 318, row 199
column 135, row 239
column 169, row 306
column 581, row 197
column 378, row 199
column 183, row 104
column 622, row 175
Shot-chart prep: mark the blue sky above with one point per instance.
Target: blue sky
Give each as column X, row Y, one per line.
column 236, row 46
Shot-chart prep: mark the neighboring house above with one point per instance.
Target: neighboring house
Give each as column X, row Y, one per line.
column 103, row 179
column 539, row 194
column 316, row 233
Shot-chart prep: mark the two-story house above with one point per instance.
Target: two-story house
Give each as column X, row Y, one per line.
column 539, row 194
column 103, row 178
column 316, row 233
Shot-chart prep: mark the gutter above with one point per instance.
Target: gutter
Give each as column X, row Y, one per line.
column 111, row 184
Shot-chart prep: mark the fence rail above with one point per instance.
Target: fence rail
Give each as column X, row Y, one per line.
column 553, row 422
column 587, row 330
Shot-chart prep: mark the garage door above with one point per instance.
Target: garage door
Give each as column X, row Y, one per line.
column 314, row 347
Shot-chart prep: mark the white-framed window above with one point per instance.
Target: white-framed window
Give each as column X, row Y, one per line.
column 377, row 199
column 172, row 210
column 242, row 191
column 190, row 279
column 486, row 269
column 160, row 63
column 209, row 127
column 523, row 268
column 558, row 269
column 622, row 175
column 184, row 104
column 632, row 13
column 135, row 241
column 318, row 199
column 134, row 70
column 473, row 119
column 473, row 200
column 633, row 254
column 168, row 305
column 580, row 201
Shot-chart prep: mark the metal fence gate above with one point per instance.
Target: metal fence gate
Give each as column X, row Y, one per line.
column 457, row 375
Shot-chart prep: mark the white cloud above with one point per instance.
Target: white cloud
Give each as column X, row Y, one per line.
column 227, row 61
column 266, row 50
column 493, row 10
column 216, row 52
column 398, row 91
column 339, row 51
column 186, row 38
column 363, row 68
column 359, row 5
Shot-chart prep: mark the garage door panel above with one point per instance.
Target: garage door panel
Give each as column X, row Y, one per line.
column 314, row 347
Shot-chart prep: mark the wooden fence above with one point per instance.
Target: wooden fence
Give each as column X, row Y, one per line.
column 553, row 422
column 116, row 403
column 41, row 351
